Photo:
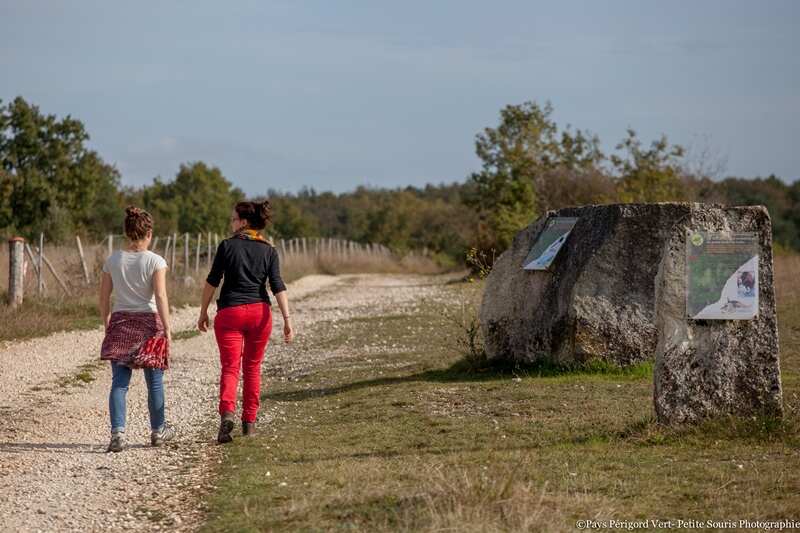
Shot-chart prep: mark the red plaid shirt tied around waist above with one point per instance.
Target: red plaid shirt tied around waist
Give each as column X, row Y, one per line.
column 136, row 340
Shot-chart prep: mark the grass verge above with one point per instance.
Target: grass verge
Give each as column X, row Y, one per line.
column 415, row 439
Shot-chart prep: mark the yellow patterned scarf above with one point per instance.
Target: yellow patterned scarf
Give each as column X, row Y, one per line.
column 249, row 235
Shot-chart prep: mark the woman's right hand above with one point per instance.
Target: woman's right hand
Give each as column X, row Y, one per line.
column 288, row 330
column 202, row 322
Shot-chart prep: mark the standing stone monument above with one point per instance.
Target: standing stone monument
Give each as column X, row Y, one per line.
column 727, row 363
column 595, row 300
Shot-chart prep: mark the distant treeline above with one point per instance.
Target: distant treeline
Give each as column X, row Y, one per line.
column 50, row 181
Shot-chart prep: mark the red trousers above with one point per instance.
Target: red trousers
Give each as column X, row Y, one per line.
column 242, row 333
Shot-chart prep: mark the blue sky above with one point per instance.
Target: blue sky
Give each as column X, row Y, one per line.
column 333, row 95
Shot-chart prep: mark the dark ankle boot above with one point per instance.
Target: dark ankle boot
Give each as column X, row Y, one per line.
column 225, row 427
column 248, row 428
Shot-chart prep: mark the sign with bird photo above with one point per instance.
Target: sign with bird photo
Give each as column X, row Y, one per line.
column 722, row 272
column 550, row 241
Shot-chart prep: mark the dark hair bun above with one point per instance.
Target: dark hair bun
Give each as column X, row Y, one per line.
column 265, row 211
column 257, row 214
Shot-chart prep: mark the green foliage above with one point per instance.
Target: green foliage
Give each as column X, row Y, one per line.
column 199, row 199
column 649, row 175
column 434, row 218
column 289, row 220
column 523, row 148
column 480, row 262
column 781, row 200
column 50, row 179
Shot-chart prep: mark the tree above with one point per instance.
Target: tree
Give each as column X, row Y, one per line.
column 199, row 199
column 288, row 219
column 780, row 199
column 565, row 187
column 649, row 175
column 50, row 179
column 523, row 149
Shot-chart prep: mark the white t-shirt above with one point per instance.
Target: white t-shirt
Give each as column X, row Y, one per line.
column 132, row 274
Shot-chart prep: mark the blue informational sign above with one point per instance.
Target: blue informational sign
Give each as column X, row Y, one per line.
column 555, row 234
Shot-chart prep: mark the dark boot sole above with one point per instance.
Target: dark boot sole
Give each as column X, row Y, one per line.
column 225, row 429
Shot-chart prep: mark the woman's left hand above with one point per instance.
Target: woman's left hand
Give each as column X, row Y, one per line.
column 288, row 330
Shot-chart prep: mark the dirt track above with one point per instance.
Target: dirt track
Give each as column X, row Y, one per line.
column 54, row 472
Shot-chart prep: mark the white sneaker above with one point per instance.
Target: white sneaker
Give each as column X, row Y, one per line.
column 166, row 433
column 117, row 443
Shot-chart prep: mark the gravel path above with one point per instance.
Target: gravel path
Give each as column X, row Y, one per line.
column 54, row 474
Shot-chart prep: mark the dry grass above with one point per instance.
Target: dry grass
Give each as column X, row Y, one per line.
column 787, row 286
column 56, row 310
column 300, row 265
column 417, row 441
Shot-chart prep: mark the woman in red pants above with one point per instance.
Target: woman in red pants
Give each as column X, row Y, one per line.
column 243, row 324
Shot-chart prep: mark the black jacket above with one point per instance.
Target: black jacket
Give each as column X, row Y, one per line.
column 246, row 266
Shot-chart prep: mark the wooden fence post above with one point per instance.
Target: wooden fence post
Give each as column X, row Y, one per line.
column 16, row 260
column 186, row 253
column 166, row 252
column 110, row 244
column 174, row 246
column 32, row 257
column 83, row 260
column 208, row 259
column 40, row 280
column 197, row 255
column 53, row 272
column 155, row 244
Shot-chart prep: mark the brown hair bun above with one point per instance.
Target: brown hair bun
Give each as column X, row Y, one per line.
column 257, row 214
column 138, row 223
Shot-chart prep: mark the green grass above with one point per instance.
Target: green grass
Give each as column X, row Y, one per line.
column 185, row 334
column 83, row 376
column 415, row 439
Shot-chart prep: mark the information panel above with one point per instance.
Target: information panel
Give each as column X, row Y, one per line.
column 722, row 275
column 546, row 247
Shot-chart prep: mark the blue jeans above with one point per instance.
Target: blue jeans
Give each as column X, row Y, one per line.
column 121, row 378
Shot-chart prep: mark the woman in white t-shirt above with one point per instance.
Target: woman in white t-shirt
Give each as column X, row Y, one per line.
column 137, row 278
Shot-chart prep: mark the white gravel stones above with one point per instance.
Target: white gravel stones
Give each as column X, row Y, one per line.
column 54, row 472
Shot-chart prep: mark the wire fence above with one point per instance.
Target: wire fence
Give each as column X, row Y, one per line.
column 36, row 268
